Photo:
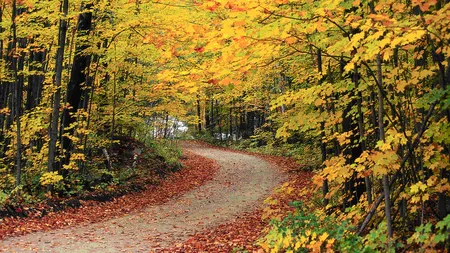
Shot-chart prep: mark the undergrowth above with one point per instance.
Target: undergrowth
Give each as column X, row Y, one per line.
column 314, row 231
column 306, row 153
column 133, row 164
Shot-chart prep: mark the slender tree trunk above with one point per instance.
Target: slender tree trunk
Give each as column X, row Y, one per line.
column 323, row 147
column 199, row 115
column 237, row 126
column 92, row 90
column 113, row 120
column 402, row 204
column 18, row 92
column 219, row 120
column 3, row 88
column 362, row 138
column 57, row 96
column 166, row 124
column 35, row 80
column 230, row 122
column 385, row 179
column 212, row 120
column 354, row 186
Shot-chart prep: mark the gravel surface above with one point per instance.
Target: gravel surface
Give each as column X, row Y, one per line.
column 240, row 185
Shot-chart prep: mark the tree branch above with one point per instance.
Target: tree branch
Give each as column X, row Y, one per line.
column 402, row 165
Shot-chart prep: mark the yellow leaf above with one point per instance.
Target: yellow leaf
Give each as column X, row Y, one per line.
column 78, row 156
column 385, row 146
column 50, row 178
column 414, row 189
column 297, row 245
column 422, row 186
column 419, row 186
column 349, row 67
column 401, row 85
column 354, row 25
column 323, row 237
column 319, row 102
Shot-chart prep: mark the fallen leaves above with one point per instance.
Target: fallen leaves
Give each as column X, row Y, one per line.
column 196, row 170
column 238, row 234
column 242, row 233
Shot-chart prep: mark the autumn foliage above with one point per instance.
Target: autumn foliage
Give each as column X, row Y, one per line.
column 195, row 172
column 367, row 83
column 363, row 84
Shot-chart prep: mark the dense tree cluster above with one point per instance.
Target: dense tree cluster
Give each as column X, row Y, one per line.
column 77, row 75
column 366, row 81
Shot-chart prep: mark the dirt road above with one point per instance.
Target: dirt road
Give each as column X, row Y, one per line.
column 241, row 184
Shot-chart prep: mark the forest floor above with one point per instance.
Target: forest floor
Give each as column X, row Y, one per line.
column 199, row 219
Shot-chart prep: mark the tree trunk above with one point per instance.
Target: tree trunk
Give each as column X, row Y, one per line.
column 18, row 83
column 323, row 147
column 199, row 115
column 219, row 120
column 250, row 123
column 77, row 77
column 387, row 199
column 166, row 125
column 212, row 120
column 354, row 187
column 51, row 166
column 362, row 138
column 230, row 123
column 113, row 102
column 37, row 56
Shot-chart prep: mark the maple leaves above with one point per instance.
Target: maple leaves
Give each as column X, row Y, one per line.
column 244, row 232
column 196, row 171
column 332, row 98
column 50, row 178
column 177, row 58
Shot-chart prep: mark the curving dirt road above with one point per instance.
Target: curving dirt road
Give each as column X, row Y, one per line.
column 240, row 185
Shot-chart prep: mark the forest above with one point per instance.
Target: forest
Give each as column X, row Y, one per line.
column 356, row 92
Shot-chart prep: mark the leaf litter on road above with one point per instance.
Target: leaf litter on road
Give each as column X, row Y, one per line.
column 196, row 170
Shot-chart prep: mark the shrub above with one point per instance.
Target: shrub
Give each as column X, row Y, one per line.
column 305, row 231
